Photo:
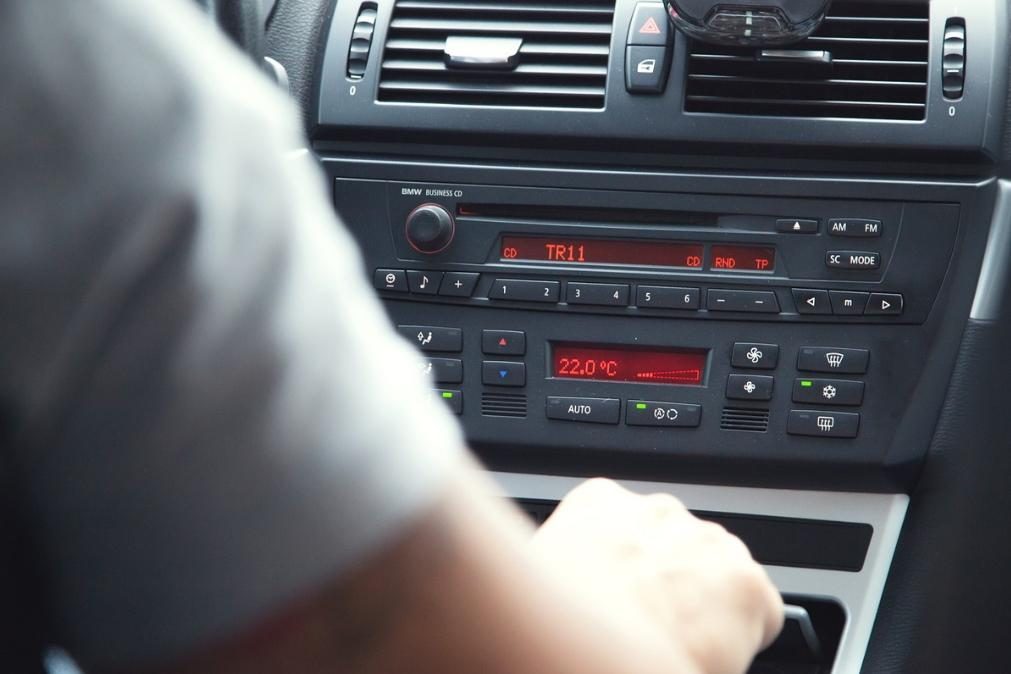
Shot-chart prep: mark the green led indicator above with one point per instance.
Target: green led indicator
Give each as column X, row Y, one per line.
column 641, row 406
column 806, row 383
column 447, row 394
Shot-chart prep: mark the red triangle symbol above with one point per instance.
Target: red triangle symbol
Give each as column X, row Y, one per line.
column 650, row 27
column 503, row 342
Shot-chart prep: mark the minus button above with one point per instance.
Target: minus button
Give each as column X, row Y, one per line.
column 745, row 301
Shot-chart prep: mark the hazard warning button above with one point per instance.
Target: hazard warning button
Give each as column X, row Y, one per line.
column 650, row 27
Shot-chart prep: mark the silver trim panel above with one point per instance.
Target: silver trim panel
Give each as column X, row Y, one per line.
column 995, row 276
column 859, row 593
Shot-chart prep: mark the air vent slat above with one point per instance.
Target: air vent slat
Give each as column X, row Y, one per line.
column 770, row 80
column 878, row 19
column 510, row 405
column 525, row 69
column 548, row 49
column 879, row 58
column 562, row 60
column 489, row 88
column 601, row 9
column 744, row 419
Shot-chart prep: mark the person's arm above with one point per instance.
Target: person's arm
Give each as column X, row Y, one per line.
column 215, row 422
column 614, row 584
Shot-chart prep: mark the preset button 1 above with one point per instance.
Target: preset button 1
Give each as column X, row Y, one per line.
column 525, row 290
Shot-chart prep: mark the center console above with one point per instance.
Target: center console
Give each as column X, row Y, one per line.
column 737, row 275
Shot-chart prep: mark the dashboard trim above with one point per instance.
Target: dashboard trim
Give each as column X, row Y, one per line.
column 995, row 274
column 859, row 593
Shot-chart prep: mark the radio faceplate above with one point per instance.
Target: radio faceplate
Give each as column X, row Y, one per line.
column 685, row 255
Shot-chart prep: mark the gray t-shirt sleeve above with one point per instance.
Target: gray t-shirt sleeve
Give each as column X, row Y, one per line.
column 211, row 414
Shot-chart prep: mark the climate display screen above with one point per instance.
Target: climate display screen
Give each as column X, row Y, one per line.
column 602, row 251
column 629, row 364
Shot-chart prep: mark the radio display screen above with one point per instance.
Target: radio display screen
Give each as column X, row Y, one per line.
column 743, row 258
column 628, row 364
column 602, row 251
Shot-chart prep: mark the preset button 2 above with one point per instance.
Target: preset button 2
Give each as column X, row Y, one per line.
column 525, row 290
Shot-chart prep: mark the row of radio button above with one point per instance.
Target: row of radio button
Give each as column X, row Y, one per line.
column 446, row 284
column 812, row 302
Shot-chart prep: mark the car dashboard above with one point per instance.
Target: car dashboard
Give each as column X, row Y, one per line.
column 772, row 282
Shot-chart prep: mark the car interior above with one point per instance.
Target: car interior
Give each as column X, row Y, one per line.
column 755, row 254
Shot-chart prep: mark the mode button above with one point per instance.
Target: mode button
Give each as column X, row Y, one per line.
column 852, row 259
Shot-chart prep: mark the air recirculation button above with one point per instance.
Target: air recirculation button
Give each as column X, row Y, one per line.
column 361, row 41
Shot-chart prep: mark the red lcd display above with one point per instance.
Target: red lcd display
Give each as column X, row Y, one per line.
column 602, row 251
column 632, row 364
column 742, row 258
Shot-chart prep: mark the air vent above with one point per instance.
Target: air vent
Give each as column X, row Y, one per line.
column 869, row 60
column 562, row 58
column 504, row 405
column 744, row 419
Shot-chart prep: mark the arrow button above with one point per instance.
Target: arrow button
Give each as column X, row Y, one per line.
column 503, row 373
column 885, row 304
column 811, row 302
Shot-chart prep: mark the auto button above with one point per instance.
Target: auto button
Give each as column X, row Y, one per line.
column 589, row 410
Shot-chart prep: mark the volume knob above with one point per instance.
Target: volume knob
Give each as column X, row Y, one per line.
column 430, row 229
